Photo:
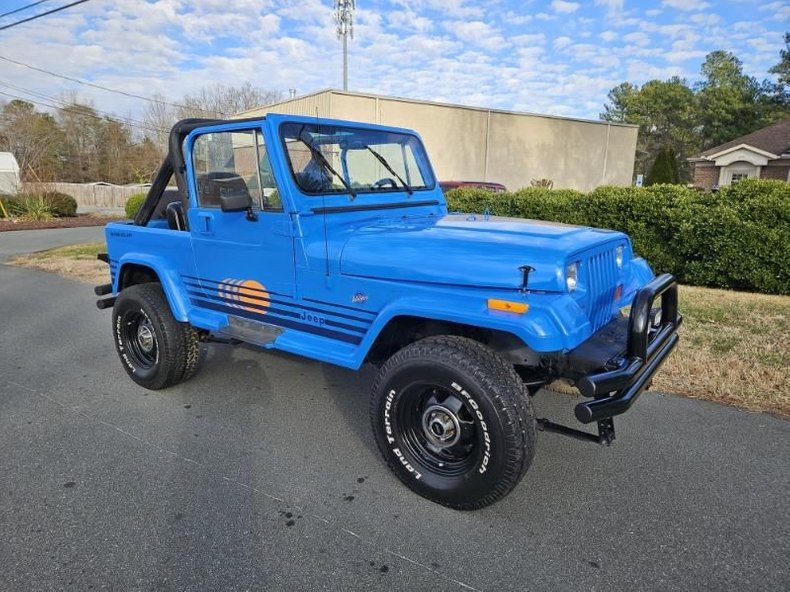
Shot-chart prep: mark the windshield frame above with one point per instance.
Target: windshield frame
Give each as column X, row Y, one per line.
column 420, row 157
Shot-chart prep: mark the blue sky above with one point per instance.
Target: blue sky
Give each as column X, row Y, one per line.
column 559, row 57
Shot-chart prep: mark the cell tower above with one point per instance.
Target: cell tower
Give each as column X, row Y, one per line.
column 344, row 19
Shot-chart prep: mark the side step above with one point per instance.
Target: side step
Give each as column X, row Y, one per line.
column 250, row 331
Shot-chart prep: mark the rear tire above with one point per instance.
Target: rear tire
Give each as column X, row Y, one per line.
column 453, row 421
column 196, row 352
column 155, row 349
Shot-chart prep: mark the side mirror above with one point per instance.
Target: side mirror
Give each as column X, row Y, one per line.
column 235, row 202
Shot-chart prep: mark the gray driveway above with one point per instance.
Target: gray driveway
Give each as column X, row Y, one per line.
column 262, row 474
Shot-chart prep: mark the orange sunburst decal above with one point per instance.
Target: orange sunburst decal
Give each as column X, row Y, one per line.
column 248, row 295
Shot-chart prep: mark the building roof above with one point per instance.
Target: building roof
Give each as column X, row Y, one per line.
column 774, row 139
column 257, row 110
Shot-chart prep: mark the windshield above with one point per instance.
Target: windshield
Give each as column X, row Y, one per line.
column 334, row 159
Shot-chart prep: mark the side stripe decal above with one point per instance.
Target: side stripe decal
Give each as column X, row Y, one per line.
column 280, row 322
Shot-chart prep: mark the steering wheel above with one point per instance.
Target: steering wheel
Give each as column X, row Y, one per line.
column 383, row 182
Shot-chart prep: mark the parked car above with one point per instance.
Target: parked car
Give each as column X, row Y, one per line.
column 332, row 240
column 495, row 187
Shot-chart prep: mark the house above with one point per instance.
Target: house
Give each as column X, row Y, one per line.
column 480, row 144
column 764, row 154
column 9, row 174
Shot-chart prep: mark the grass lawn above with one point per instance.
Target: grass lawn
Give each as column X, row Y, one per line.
column 734, row 347
column 75, row 261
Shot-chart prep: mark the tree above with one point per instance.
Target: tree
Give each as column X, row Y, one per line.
column 664, row 169
column 34, row 139
column 222, row 101
column 217, row 101
column 724, row 104
column 664, row 112
column 727, row 99
column 782, row 69
column 82, row 142
column 159, row 116
column 96, row 148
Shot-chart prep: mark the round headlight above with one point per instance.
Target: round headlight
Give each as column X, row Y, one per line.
column 618, row 256
column 572, row 276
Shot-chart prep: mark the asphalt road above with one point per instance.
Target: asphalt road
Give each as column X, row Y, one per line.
column 262, row 474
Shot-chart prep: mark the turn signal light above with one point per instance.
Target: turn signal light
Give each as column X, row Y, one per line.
column 507, row 306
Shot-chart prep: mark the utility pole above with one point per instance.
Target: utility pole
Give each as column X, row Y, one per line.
column 344, row 19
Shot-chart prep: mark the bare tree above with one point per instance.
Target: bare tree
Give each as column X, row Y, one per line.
column 159, row 116
column 216, row 101
column 225, row 101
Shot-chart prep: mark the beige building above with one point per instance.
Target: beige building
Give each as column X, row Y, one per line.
column 477, row 144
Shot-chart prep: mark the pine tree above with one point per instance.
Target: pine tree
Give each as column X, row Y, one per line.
column 664, row 169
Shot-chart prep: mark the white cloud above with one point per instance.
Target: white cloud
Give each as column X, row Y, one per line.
column 683, row 55
column 611, row 5
column 608, row 36
column 686, row 5
column 564, row 7
column 705, row 20
column 638, row 37
column 780, row 10
column 562, row 42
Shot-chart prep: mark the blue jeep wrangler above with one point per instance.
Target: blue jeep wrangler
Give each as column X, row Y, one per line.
column 332, row 240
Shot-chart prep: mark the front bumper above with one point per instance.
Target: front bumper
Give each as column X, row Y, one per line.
column 647, row 345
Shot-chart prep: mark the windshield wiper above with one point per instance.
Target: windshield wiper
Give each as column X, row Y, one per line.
column 383, row 161
column 325, row 164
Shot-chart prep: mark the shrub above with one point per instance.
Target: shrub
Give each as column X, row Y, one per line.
column 30, row 207
column 62, row 205
column 133, row 204
column 737, row 238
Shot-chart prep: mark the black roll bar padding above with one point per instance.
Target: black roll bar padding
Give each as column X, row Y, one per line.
column 155, row 192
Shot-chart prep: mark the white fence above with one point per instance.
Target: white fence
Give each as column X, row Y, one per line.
column 92, row 194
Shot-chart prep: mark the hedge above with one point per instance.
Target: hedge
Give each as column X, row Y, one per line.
column 737, row 238
column 133, row 204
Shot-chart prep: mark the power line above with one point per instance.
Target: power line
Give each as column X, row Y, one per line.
column 38, row 16
column 10, row 12
column 94, row 85
column 103, row 117
column 64, row 104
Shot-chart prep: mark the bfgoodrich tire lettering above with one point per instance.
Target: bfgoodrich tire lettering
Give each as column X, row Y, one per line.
column 156, row 350
column 453, row 421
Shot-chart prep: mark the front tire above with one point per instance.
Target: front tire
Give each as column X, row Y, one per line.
column 453, row 421
column 155, row 349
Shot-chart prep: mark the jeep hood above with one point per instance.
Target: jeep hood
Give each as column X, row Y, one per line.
column 470, row 251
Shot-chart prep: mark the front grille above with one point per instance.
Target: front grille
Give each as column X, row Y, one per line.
column 602, row 282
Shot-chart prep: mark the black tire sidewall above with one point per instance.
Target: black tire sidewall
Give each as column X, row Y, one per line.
column 477, row 482
column 129, row 303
